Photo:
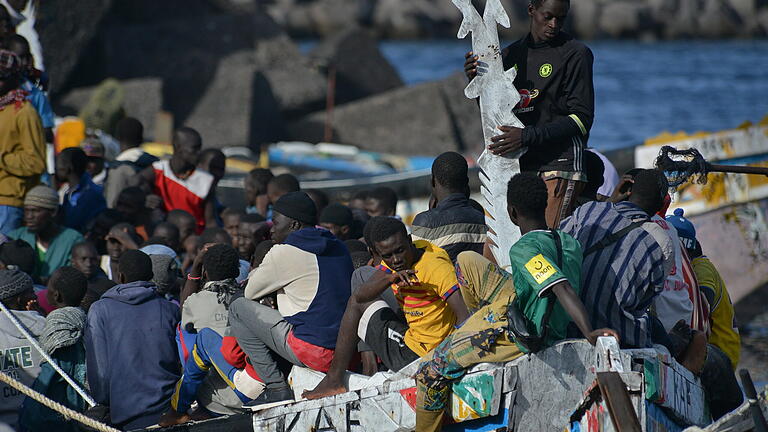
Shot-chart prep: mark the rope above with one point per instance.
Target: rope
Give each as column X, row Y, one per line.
column 45, row 355
column 59, row 408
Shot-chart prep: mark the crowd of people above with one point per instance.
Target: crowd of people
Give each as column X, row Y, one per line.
column 168, row 307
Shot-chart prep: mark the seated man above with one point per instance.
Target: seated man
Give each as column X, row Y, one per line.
column 204, row 322
column 252, row 230
column 16, row 294
column 52, row 242
column 624, row 267
column 451, row 223
column 381, row 201
column 278, row 186
column 132, row 362
column 66, row 287
column 424, row 281
column 724, row 348
column 86, row 259
column 310, row 271
column 680, row 300
column 543, row 285
column 337, row 218
column 255, row 188
column 230, row 221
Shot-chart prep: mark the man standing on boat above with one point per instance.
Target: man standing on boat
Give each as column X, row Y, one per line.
column 554, row 78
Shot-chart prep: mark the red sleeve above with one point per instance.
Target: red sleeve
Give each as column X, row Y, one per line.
column 232, row 352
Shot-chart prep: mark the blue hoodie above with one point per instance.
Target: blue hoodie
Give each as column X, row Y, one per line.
column 131, row 357
column 319, row 324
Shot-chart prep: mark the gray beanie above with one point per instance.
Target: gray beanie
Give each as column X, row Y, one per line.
column 13, row 283
column 63, row 328
column 164, row 269
column 42, row 196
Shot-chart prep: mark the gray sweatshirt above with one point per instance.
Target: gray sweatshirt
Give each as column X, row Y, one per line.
column 18, row 359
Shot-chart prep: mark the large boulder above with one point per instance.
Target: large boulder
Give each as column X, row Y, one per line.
column 185, row 53
column 360, row 68
column 298, row 87
column 583, row 17
column 225, row 73
column 719, row 19
column 66, row 29
column 224, row 113
column 622, row 19
column 315, row 18
column 142, row 99
column 408, row 120
column 464, row 113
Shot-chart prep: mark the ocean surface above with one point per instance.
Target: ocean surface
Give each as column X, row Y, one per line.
column 641, row 89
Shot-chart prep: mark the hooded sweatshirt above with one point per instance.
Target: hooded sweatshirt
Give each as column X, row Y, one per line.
column 311, row 273
column 132, row 361
column 20, row 360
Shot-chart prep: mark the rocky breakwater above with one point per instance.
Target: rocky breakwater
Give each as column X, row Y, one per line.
column 233, row 73
column 646, row 19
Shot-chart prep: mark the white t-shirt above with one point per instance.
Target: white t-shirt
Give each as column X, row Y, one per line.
column 610, row 175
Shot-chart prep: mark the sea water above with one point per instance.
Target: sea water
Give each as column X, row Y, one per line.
column 641, row 89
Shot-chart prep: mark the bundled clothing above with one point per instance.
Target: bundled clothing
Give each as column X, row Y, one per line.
column 62, row 339
column 453, row 225
column 311, row 275
column 131, row 357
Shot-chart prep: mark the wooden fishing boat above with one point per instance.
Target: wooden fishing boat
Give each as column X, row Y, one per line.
column 730, row 211
column 571, row 386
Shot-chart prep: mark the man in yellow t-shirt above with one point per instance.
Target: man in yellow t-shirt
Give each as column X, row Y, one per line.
column 425, row 284
column 724, row 333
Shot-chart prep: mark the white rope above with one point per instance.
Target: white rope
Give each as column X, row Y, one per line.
column 59, row 408
column 45, row 355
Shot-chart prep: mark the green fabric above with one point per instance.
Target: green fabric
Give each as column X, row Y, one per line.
column 535, row 271
column 59, row 251
column 37, row 417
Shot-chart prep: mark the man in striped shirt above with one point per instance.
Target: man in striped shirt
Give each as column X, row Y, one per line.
column 452, row 223
column 620, row 279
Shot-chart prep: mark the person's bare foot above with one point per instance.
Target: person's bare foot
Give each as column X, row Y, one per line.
column 200, row 414
column 327, row 387
column 171, row 417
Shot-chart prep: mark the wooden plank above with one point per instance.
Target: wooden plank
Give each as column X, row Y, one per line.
column 619, row 404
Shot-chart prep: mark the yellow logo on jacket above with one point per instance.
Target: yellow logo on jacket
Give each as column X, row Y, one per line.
column 545, row 70
column 540, row 268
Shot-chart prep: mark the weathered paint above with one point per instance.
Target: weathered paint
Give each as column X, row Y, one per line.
column 532, row 393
